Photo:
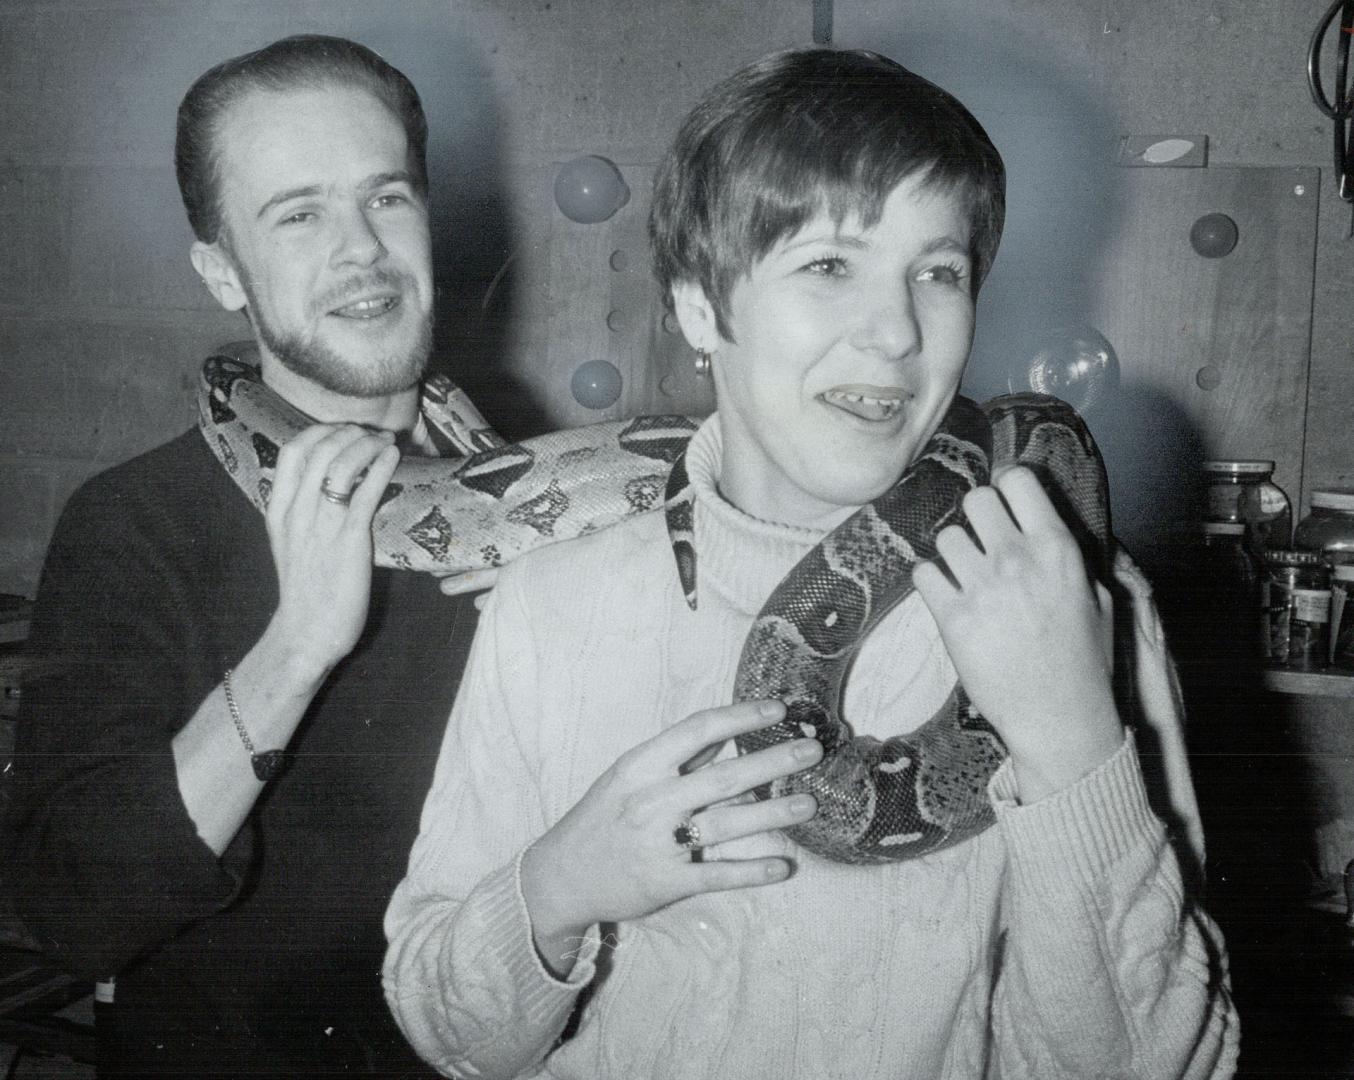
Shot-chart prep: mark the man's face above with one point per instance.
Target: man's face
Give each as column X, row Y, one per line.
column 325, row 237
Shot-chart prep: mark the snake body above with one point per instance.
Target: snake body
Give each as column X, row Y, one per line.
column 882, row 801
column 487, row 502
column 484, row 502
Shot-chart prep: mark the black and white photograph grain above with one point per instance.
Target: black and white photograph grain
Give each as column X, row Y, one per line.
column 701, row 540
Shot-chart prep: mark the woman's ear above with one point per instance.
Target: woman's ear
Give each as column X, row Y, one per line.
column 696, row 316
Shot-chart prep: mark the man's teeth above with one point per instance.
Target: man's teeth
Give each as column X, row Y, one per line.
column 366, row 309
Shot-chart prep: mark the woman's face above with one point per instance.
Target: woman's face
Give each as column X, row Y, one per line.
column 851, row 342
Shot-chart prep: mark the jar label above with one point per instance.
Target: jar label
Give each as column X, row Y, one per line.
column 1222, row 502
column 1341, row 625
column 1311, row 605
column 1297, row 621
column 1272, row 499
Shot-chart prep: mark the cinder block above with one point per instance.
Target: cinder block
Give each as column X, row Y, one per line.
column 26, row 493
column 34, row 234
column 88, row 391
column 129, row 241
column 33, row 492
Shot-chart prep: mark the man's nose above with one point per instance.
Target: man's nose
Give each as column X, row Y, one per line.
column 356, row 242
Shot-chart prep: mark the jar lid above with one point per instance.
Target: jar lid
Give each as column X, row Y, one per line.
column 1239, row 468
column 1290, row 557
column 1333, row 498
column 1223, row 528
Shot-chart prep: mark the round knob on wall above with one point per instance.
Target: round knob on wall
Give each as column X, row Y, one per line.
column 1213, row 236
column 596, row 384
column 590, row 189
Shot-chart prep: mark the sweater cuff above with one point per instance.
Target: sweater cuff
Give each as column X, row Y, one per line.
column 508, row 939
column 1081, row 831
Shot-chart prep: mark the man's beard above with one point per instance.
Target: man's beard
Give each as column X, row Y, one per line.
column 377, row 376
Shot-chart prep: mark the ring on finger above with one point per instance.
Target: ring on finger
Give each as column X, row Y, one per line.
column 687, row 835
column 338, row 498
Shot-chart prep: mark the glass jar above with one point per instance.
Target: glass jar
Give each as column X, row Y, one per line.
column 1244, row 492
column 1296, row 594
column 1329, row 528
column 1226, row 609
column 1342, row 616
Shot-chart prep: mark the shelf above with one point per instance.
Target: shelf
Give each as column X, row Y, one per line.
column 1239, row 672
column 1315, row 683
column 14, row 613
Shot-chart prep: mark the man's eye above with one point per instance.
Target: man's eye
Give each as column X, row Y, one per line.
column 300, row 217
column 828, row 266
column 389, row 199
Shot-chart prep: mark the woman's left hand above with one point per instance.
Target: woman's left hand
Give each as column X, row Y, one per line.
column 1029, row 631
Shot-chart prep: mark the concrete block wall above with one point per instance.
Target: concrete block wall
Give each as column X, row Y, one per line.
column 102, row 323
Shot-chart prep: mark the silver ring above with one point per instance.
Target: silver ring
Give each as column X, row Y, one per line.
column 687, row 835
column 338, row 498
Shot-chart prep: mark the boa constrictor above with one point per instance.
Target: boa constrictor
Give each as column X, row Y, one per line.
column 480, row 504
column 486, row 502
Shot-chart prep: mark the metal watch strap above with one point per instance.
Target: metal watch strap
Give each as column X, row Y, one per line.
column 268, row 764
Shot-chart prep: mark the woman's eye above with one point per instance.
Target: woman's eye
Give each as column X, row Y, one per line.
column 828, row 266
column 944, row 274
column 300, row 217
column 389, row 199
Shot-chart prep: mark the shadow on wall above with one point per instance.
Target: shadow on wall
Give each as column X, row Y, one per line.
column 1064, row 206
column 472, row 232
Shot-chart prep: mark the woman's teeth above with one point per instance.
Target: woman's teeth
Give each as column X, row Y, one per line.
column 866, row 406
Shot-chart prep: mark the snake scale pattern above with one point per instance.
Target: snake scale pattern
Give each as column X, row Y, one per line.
column 882, row 801
column 486, row 502
column 483, row 502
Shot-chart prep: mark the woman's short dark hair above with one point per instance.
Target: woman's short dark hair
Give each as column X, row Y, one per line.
column 799, row 132
column 305, row 61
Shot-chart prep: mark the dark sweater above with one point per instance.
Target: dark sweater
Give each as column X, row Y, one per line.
column 158, row 577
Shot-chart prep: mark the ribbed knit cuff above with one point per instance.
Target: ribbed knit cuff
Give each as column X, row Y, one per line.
column 1080, row 832
column 508, row 938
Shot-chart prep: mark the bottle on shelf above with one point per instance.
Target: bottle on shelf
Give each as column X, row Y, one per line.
column 1227, row 581
column 1243, row 492
column 1328, row 531
column 1296, row 597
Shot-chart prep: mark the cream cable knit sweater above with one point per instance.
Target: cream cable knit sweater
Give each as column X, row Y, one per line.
column 1057, row 944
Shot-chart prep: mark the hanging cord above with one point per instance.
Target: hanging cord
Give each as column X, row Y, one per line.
column 1340, row 106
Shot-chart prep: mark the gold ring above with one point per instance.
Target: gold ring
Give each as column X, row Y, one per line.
column 338, row 498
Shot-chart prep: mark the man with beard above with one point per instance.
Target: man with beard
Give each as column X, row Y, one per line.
column 232, row 718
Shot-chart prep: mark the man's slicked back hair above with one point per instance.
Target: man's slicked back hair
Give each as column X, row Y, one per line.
column 305, row 61
column 805, row 131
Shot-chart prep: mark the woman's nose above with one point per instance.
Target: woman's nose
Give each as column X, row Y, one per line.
column 887, row 323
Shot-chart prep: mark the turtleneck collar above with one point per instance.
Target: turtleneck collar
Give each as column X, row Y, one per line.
column 740, row 557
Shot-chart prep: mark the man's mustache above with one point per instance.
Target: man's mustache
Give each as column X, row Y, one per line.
column 362, row 285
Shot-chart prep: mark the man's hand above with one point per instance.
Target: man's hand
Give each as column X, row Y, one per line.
column 1030, row 633
column 322, row 552
column 613, row 856
column 468, row 581
column 322, row 548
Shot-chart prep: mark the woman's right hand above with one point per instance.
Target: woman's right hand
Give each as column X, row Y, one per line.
column 614, row 855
